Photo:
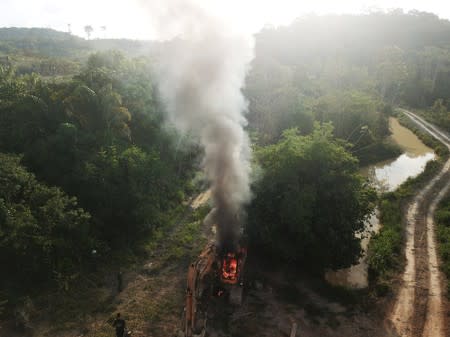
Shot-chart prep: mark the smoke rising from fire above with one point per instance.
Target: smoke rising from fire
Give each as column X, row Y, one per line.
column 201, row 74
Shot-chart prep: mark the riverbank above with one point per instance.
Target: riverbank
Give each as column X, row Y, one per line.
column 385, row 257
column 388, row 175
column 385, row 176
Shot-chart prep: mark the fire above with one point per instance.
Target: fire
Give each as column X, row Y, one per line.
column 232, row 263
column 230, row 268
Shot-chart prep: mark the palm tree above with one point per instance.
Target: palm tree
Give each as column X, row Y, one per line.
column 88, row 29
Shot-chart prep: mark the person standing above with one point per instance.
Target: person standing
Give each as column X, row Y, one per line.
column 119, row 324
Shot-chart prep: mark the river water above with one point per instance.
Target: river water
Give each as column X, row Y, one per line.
column 385, row 176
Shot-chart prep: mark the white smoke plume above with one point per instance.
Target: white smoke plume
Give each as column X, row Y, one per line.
column 201, row 74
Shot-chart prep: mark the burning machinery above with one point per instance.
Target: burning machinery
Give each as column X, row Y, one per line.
column 215, row 273
column 231, row 275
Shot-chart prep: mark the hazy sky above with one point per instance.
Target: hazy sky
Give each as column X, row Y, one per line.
column 126, row 18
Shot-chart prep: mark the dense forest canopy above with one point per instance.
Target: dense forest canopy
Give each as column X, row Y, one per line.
column 88, row 159
column 394, row 57
column 100, row 137
column 311, row 193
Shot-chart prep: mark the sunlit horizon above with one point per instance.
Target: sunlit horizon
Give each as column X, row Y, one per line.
column 128, row 19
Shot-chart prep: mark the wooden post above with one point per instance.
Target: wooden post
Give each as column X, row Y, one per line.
column 293, row 330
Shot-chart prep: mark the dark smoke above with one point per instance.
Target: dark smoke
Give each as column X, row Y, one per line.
column 201, row 75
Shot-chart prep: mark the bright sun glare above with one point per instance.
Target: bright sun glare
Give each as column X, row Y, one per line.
column 127, row 19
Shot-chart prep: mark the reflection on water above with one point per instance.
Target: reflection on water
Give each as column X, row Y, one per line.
column 389, row 175
column 356, row 276
column 386, row 176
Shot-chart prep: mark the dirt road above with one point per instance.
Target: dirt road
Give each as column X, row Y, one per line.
column 421, row 308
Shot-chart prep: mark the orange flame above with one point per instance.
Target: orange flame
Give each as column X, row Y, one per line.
column 230, row 268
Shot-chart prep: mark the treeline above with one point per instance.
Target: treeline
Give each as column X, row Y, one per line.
column 51, row 53
column 42, row 42
column 49, row 43
column 101, row 139
column 346, row 69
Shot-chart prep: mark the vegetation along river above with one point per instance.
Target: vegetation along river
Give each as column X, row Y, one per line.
column 386, row 176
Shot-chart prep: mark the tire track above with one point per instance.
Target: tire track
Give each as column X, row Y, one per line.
column 420, row 306
column 433, row 325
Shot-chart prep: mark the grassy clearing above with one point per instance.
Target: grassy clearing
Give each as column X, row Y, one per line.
column 153, row 283
column 385, row 256
column 443, row 237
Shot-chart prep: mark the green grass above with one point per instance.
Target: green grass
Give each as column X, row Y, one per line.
column 443, row 237
column 92, row 300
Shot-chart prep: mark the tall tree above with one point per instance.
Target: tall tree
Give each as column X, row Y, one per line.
column 310, row 193
column 88, row 29
column 43, row 232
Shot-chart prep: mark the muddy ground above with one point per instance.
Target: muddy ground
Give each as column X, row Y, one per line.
column 277, row 298
column 421, row 307
column 152, row 299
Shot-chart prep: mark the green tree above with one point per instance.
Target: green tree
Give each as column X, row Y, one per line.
column 310, row 194
column 41, row 229
column 440, row 113
column 88, row 30
column 392, row 72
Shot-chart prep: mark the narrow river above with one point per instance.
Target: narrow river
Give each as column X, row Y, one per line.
column 385, row 176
